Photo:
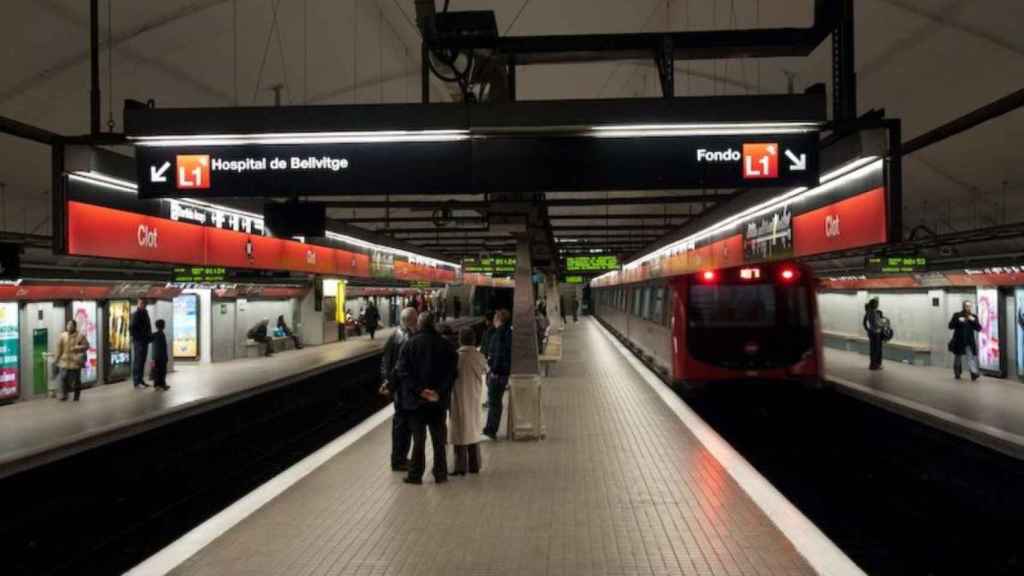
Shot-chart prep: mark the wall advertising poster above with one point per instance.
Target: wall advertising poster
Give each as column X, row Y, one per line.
column 1020, row 331
column 9, row 350
column 84, row 314
column 186, row 326
column 119, row 346
column 989, row 357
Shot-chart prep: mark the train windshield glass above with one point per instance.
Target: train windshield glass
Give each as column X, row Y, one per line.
column 747, row 306
column 732, row 305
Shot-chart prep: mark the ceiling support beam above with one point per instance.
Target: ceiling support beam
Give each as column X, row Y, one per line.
column 994, row 109
column 499, row 207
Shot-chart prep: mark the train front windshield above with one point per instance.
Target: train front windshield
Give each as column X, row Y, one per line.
column 748, row 325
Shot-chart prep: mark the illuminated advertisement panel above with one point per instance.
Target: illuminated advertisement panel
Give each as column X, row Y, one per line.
column 1019, row 322
column 119, row 346
column 989, row 344
column 186, row 327
column 84, row 314
column 9, row 350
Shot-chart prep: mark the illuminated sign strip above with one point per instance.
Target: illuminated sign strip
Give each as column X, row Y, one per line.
column 98, row 179
column 828, row 181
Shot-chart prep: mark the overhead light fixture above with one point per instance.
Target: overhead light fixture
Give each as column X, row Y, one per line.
column 270, row 138
column 830, row 180
column 99, row 179
column 716, row 129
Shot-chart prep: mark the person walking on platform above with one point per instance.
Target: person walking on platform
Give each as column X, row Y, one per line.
column 457, row 307
column 499, row 360
column 426, row 369
column 401, row 433
column 142, row 334
column 371, row 319
column 465, row 408
column 485, row 340
column 71, row 351
column 159, row 371
column 575, row 309
column 283, row 327
column 258, row 334
column 873, row 326
column 965, row 327
column 561, row 307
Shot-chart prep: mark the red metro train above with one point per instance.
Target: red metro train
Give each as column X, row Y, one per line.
column 752, row 322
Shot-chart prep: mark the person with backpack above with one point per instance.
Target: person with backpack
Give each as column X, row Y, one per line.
column 877, row 326
column 965, row 327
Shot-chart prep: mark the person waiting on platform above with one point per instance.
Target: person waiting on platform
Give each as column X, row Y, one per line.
column 485, row 340
column 142, row 334
column 426, row 369
column 258, row 334
column 499, row 360
column 371, row 318
column 874, row 323
column 575, row 309
column 283, row 327
column 71, row 351
column 965, row 327
column 401, row 434
column 159, row 371
column 465, row 411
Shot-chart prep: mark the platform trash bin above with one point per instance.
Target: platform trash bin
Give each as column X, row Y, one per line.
column 525, row 413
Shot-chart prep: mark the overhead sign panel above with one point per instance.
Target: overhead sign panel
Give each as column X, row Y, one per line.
column 309, row 169
column 598, row 263
column 491, row 265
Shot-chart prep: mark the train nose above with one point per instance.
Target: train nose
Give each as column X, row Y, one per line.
column 751, row 348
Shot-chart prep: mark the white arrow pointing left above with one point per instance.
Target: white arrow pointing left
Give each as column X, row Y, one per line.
column 158, row 175
column 796, row 163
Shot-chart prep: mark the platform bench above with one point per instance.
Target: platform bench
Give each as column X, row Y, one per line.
column 552, row 352
column 254, row 349
column 917, row 353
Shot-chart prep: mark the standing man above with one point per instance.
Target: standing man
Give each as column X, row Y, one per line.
column 426, row 368
column 159, row 373
column 371, row 318
column 401, row 433
column 575, row 308
column 457, row 307
column 142, row 334
column 965, row 327
column 499, row 361
column 872, row 323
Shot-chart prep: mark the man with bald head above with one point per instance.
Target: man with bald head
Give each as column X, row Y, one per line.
column 401, row 434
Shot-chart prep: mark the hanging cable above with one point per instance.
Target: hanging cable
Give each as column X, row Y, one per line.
column 305, row 51
column 234, row 40
column 355, row 51
column 266, row 49
column 110, row 67
column 280, row 52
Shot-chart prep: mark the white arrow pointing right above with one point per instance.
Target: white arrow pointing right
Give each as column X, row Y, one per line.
column 796, row 163
column 156, row 175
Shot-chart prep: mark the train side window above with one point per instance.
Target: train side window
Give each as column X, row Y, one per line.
column 645, row 303
column 658, row 305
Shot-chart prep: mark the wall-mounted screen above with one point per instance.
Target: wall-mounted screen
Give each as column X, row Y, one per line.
column 594, row 263
column 119, row 346
column 84, row 314
column 9, row 350
column 989, row 343
column 186, row 327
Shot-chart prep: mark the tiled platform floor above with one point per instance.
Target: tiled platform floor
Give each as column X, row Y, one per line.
column 36, row 431
column 620, row 486
column 989, row 411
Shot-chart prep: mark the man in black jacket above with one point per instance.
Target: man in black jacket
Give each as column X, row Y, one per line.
column 965, row 326
column 142, row 334
column 159, row 373
column 401, row 434
column 426, row 368
column 499, row 360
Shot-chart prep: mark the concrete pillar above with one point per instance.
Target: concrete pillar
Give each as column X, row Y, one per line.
column 554, row 299
column 524, row 336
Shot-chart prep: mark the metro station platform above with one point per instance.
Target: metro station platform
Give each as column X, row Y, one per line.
column 628, row 481
column 39, row 431
column 989, row 411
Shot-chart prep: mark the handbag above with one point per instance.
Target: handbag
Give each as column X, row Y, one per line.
column 950, row 346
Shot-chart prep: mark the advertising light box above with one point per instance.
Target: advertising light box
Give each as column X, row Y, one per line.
column 9, row 350
column 1019, row 323
column 84, row 314
column 597, row 263
column 186, row 327
column 989, row 341
column 119, row 347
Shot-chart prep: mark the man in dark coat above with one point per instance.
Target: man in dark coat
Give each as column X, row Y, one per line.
column 159, row 373
column 426, row 369
column 142, row 334
column 401, row 434
column 371, row 318
column 965, row 326
column 499, row 360
column 259, row 334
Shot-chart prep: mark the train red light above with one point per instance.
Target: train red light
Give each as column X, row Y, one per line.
column 709, row 276
column 787, row 274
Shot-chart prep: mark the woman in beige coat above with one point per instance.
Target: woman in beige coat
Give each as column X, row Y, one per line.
column 70, row 358
column 464, row 431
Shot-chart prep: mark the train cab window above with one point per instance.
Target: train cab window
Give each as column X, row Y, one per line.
column 732, row 306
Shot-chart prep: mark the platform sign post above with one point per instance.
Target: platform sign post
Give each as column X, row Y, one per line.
column 9, row 350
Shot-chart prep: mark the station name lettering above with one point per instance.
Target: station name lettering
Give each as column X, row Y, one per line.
column 241, row 166
column 727, row 155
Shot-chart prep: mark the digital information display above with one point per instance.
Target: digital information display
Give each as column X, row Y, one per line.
column 84, row 314
column 574, row 279
column 896, row 264
column 9, row 350
column 601, row 263
column 989, row 343
column 199, row 274
column 491, row 265
column 186, row 327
